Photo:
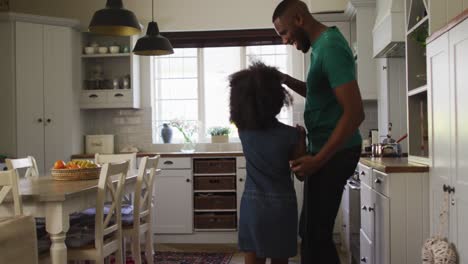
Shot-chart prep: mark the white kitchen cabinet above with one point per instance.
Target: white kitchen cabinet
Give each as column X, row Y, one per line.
column 447, row 67
column 173, row 197
column 40, row 103
column 241, row 175
column 392, row 107
column 118, row 66
column 394, row 217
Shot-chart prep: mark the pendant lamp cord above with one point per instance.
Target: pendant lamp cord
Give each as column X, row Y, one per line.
column 152, row 10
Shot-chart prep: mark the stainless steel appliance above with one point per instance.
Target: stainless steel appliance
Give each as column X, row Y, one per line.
column 354, row 186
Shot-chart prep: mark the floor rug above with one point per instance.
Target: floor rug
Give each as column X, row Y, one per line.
column 191, row 258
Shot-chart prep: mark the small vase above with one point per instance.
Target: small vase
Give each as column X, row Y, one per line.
column 166, row 133
column 188, row 147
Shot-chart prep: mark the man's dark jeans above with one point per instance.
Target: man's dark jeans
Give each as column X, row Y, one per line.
column 322, row 197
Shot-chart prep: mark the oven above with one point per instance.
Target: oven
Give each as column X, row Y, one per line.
column 354, row 187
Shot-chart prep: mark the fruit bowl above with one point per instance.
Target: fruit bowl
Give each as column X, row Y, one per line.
column 75, row 174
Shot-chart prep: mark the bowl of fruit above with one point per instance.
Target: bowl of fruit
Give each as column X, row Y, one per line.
column 75, row 170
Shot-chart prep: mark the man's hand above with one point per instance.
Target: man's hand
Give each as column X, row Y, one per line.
column 305, row 165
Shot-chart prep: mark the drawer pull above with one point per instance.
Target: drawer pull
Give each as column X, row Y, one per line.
column 378, row 181
column 363, row 173
column 93, row 96
column 364, row 260
column 187, row 180
column 168, row 162
column 241, row 180
column 364, row 208
column 118, row 95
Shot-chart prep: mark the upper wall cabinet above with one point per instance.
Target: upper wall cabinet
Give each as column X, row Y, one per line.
column 110, row 72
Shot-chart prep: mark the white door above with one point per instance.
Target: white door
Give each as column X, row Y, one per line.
column 367, row 211
column 57, row 93
column 382, row 229
column 382, row 82
column 367, row 249
column 439, row 95
column 459, row 76
column 173, row 202
column 30, row 91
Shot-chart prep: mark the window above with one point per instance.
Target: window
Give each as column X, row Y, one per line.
column 192, row 85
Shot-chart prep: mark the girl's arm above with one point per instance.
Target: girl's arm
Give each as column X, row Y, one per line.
column 300, row 148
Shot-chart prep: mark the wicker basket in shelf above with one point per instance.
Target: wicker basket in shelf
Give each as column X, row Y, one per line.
column 75, row 174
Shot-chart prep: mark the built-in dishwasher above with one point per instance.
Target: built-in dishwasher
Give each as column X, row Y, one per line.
column 354, row 186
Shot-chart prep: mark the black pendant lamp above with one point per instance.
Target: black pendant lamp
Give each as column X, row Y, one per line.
column 153, row 43
column 114, row 20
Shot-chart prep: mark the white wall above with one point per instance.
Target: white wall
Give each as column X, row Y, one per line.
column 177, row 15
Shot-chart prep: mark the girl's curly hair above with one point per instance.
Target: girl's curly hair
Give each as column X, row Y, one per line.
column 257, row 96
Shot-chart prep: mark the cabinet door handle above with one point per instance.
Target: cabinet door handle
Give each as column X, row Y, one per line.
column 364, row 260
column 364, row 208
column 371, row 209
column 39, row 120
column 168, row 162
column 241, row 180
column 118, row 95
column 48, row 120
column 187, row 180
column 363, row 173
column 379, row 181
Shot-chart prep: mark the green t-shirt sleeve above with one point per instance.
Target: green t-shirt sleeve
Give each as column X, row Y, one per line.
column 338, row 64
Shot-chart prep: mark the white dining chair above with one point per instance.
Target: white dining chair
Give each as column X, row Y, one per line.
column 106, row 158
column 139, row 224
column 108, row 227
column 28, row 163
column 9, row 184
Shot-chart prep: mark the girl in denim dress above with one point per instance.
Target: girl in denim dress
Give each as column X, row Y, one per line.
column 268, row 210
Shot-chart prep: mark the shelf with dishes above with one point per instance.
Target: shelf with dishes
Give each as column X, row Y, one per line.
column 110, row 73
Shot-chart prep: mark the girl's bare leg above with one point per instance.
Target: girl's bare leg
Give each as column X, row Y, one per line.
column 251, row 258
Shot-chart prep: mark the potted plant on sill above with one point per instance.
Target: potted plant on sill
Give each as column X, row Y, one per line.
column 219, row 134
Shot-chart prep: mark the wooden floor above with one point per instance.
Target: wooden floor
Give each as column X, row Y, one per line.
column 238, row 257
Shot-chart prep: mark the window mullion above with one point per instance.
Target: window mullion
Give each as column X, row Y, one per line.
column 201, row 95
column 243, row 58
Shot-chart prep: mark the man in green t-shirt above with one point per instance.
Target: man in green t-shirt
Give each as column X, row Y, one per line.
column 332, row 115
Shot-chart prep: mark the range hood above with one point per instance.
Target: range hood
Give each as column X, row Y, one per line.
column 389, row 29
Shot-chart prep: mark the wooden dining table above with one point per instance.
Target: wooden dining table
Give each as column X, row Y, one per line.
column 43, row 196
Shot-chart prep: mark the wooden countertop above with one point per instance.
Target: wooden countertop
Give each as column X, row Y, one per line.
column 394, row 165
column 174, row 154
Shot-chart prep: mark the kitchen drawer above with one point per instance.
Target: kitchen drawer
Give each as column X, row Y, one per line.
column 174, row 163
column 215, row 220
column 120, row 97
column 215, row 201
column 215, row 183
column 367, row 210
column 93, row 97
column 381, row 183
column 240, row 162
column 367, row 249
column 214, row 165
column 365, row 174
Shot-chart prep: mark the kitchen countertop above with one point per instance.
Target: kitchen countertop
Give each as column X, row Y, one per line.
column 394, row 165
column 173, row 154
